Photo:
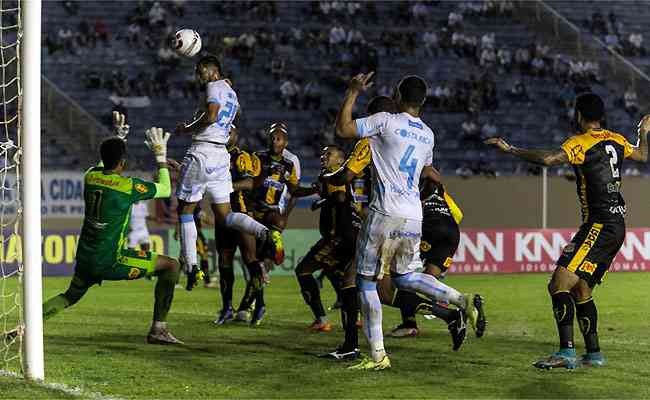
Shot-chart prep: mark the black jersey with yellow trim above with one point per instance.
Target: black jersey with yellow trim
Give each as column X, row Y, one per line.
column 277, row 172
column 242, row 165
column 440, row 204
column 597, row 158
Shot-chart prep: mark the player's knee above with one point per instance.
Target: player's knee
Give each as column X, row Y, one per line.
column 581, row 291
column 433, row 270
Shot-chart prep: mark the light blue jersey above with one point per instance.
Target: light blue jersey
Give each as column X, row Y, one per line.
column 221, row 93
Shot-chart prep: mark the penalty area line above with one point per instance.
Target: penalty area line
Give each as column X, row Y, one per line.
column 75, row 391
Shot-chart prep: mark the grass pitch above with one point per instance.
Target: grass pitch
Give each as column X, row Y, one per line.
column 98, row 345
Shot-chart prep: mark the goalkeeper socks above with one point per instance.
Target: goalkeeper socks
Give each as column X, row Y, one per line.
column 563, row 309
column 188, row 238
column 349, row 316
column 311, row 294
column 430, row 287
column 54, row 305
column 372, row 315
column 164, row 294
column 226, row 282
column 246, row 224
column 587, row 316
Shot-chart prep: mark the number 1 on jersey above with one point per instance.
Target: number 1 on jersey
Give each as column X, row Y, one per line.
column 409, row 168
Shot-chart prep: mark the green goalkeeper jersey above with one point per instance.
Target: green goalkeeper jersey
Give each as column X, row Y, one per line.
column 108, row 199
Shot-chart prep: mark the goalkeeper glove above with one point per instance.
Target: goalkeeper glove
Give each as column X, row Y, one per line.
column 120, row 126
column 156, row 141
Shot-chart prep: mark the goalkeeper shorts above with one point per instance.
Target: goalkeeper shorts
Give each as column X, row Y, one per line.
column 130, row 264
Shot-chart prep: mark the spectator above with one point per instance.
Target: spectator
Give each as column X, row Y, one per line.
column 522, row 58
column 538, row 67
column 489, row 129
column 325, row 7
column 289, row 91
column 337, row 36
column 167, row 56
column 133, row 34
column 471, row 133
column 506, row 8
column 52, row 43
column 612, row 42
column 352, row 8
column 420, row 12
column 566, row 96
column 355, row 37
column 66, row 38
column 631, row 102
column 72, row 7
column 455, row 21
column 277, row 67
column 597, row 24
column 86, row 38
column 101, row 30
column 504, row 57
column 488, row 40
column 635, row 41
column 312, row 95
column 440, row 96
column 518, row 92
column 157, row 15
column 430, row 40
column 178, row 7
column 488, row 58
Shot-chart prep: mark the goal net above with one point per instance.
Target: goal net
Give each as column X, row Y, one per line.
column 14, row 207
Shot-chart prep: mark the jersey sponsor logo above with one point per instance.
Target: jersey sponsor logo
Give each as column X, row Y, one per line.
column 414, row 136
column 622, row 210
column 402, row 192
column 591, row 238
column 415, row 124
column 134, row 273
column 425, row 246
column 569, row 248
column 613, row 187
column 404, row 234
column 588, row 267
column 139, row 187
column 448, row 262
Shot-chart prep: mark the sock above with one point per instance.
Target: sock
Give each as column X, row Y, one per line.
column 164, row 294
column 77, row 289
column 430, row 287
column 407, row 303
column 205, row 267
column 563, row 311
column 247, row 299
column 246, row 224
column 587, row 316
column 336, row 279
column 311, row 294
column 444, row 313
column 259, row 298
column 372, row 315
column 158, row 325
column 226, row 282
column 188, row 238
column 349, row 315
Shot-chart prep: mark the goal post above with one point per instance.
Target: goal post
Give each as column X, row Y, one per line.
column 30, row 138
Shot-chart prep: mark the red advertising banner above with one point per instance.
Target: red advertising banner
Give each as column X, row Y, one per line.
column 536, row 250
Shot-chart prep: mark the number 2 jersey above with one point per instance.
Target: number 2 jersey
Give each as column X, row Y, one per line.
column 401, row 145
column 108, row 199
column 221, row 93
column 597, row 157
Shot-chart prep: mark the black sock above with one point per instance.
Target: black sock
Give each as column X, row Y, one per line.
column 407, row 302
column 563, row 309
column 311, row 294
column 205, row 267
column 349, row 315
column 259, row 298
column 587, row 315
column 336, row 279
column 226, row 281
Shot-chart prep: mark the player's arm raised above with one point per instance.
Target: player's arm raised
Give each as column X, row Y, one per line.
column 156, row 140
column 542, row 157
column 640, row 152
column 345, row 126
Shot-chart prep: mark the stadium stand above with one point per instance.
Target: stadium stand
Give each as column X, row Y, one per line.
column 488, row 71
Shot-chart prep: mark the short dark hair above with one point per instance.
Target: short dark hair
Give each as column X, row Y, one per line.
column 412, row 91
column 210, row 60
column 590, row 106
column 381, row 104
column 112, row 150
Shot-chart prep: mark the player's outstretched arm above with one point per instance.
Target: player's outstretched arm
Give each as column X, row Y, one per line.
column 156, row 140
column 542, row 157
column 345, row 126
column 640, row 152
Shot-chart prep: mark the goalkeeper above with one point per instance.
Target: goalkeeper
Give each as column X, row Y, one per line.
column 101, row 252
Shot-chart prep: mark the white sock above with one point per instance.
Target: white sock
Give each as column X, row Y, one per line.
column 372, row 319
column 159, row 325
column 429, row 286
column 188, row 239
column 244, row 223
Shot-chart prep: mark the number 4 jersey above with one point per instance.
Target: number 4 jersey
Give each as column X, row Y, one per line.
column 401, row 145
column 597, row 157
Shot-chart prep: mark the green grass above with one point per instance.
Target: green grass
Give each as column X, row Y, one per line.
column 99, row 345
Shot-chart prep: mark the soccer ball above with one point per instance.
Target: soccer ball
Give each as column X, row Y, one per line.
column 186, row 43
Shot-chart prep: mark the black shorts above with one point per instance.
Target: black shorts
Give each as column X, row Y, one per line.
column 440, row 238
column 592, row 250
column 330, row 254
column 226, row 239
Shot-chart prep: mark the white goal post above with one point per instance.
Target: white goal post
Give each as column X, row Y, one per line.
column 30, row 136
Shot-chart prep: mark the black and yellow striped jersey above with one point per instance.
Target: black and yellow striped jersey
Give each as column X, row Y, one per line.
column 242, row 165
column 597, row 157
column 277, row 171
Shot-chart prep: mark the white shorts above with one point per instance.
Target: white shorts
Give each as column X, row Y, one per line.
column 206, row 168
column 388, row 244
column 138, row 236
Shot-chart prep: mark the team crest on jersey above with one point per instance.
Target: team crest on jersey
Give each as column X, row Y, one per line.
column 425, row 246
column 139, row 187
column 448, row 262
column 588, row 267
column 134, row 273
